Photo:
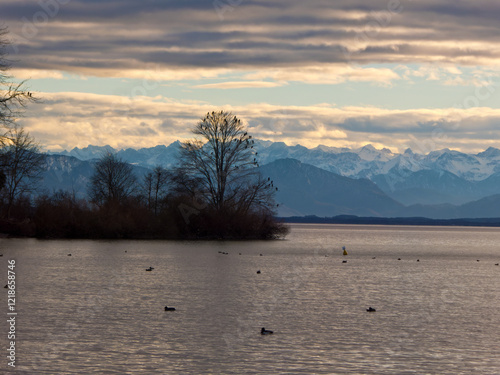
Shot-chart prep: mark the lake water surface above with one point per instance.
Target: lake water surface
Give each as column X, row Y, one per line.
column 99, row 312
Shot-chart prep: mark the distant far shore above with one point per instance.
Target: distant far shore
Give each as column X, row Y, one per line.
column 348, row 219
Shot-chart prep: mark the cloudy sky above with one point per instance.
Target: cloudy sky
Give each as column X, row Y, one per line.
column 136, row 73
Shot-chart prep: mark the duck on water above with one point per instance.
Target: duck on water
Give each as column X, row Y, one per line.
column 264, row 331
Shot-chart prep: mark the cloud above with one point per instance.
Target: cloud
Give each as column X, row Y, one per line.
column 327, row 74
column 145, row 122
column 186, row 38
column 24, row 74
column 239, row 85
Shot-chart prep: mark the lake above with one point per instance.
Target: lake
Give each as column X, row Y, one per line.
column 436, row 291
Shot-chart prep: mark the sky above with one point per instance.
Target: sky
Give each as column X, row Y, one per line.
column 397, row 74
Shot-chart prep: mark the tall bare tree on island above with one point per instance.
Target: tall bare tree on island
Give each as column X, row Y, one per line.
column 220, row 168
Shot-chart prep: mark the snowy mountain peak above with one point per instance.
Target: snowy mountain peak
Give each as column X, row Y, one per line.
column 89, row 152
column 370, row 153
column 490, row 153
column 331, row 150
column 369, row 146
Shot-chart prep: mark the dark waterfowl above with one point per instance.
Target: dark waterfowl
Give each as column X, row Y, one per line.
column 169, row 308
column 264, row 331
column 258, row 271
column 344, row 261
column 371, row 309
column 149, row 269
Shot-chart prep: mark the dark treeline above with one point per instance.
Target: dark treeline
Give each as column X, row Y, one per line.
column 170, row 215
column 214, row 193
column 63, row 216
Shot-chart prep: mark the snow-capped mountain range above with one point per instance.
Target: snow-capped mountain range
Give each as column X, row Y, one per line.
column 443, row 176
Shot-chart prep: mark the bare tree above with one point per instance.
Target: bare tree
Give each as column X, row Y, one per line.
column 148, row 184
column 13, row 96
column 113, row 180
column 257, row 194
column 222, row 163
column 2, row 179
column 22, row 164
column 155, row 184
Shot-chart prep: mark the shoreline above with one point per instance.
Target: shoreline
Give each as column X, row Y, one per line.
column 412, row 221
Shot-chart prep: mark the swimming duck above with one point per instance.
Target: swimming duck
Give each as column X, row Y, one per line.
column 149, row 269
column 371, row 309
column 264, row 331
column 258, row 271
column 169, row 308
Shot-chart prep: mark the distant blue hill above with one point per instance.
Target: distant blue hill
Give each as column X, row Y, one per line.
column 307, row 190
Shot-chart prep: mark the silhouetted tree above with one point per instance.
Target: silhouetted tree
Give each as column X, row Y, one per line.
column 221, row 167
column 113, row 181
column 13, row 96
column 22, row 164
column 156, row 186
column 2, row 179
